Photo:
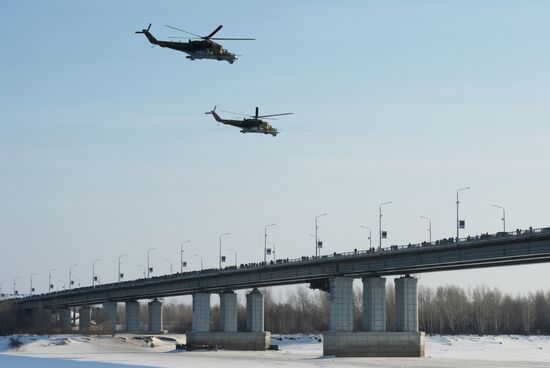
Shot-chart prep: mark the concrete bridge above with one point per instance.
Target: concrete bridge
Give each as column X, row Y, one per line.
column 332, row 273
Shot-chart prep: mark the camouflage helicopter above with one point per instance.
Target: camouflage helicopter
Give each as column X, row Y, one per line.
column 203, row 48
column 247, row 125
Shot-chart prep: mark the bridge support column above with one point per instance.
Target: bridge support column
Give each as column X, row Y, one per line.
column 341, row 304
column 374, row 304
column 406, row 304
column 45, row 320
column 38, row 320
column 255, row 311
column 341, row 341
column 109, row 314
column 200, row 321
column 85, row 320
column 65, row 316
column 228, row 338
column 228, row 312
column 132, row 316
column 155, row 316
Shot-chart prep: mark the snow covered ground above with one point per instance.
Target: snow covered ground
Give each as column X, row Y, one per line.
column 122, row 351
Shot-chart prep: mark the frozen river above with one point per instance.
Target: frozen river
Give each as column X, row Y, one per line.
column 295, row 351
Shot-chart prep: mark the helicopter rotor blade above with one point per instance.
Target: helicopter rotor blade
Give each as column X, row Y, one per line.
column 237, row 113
column 214, row 31
column 186, row 38
column 231, row 39
column 181, row 30
column 266, row 116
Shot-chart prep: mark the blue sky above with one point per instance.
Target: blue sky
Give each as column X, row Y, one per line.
column 105, row 148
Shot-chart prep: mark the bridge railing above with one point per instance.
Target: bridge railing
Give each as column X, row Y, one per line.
column 445, row 241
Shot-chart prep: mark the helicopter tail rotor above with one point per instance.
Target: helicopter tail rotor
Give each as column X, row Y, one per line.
column 211, row 112
column 145, row 31
column 216, row 116
column 148, row 34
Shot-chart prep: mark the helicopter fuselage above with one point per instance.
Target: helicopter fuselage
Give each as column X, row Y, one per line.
column 248, row 125
column 200, row 50
column 203, row 49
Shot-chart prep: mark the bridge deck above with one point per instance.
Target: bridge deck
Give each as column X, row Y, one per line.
column 522, row 247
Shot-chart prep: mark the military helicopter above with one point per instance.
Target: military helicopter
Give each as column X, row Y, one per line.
column 247, row 125
column 203, row 49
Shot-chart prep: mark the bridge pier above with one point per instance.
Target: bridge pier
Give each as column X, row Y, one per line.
column 341, row 304
column 374, row 304
column 374, row 340
column 65, row 317
column 200, row 320
column 406, row 304
column 255, row 311
column 85, row 320
column 255, row 338
column 132, row 316
column 109, row 315
column 155, row 317
column 228, row 312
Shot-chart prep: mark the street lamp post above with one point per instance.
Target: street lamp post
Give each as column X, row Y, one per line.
column 316, row 234
column 221, row 236
column 31, row 289
column 2, row 288
column 265, row 241
column 457, row 217
column 380, row 223
column 148, row 258
column 50, row 287
column 171, row 269
column 235, row 253
column 429, row 226
column 119, row 261
column 370, row 235
column 196, row 255
column 93, row 270
column 503, row 216
column 71, row 273
column 181, row 253
column 15, row 285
